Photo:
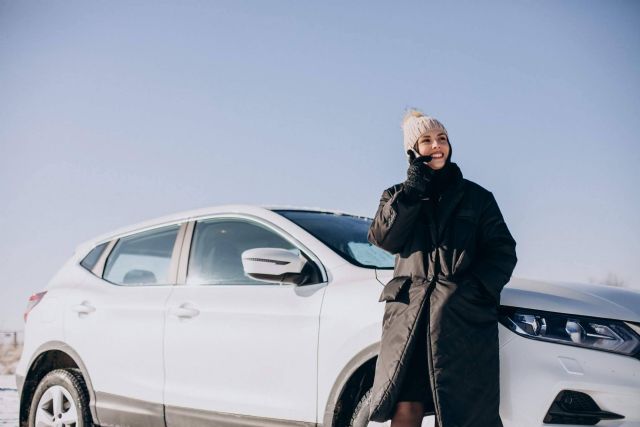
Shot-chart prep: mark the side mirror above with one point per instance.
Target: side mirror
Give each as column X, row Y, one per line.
column 274, row 265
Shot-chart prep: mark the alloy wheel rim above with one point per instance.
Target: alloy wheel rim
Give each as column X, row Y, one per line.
column 56, row 408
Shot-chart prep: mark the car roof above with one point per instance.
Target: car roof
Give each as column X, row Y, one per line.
column 258, row 210
column 311, row 209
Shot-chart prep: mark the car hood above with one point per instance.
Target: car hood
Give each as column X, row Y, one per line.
column 573, row 298
column 565, row 297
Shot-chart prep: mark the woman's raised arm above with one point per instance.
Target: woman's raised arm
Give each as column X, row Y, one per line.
column 394, row 219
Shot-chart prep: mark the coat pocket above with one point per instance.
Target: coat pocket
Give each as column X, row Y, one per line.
column 393, row 288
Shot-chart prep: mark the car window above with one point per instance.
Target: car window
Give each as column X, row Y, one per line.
column 143, row 258
column 93, row 256
column 345, row 234
column 216, row 248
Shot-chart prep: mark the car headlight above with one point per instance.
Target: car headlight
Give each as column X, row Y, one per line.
column 582, row 331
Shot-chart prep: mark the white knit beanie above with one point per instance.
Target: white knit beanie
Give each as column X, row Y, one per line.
column 414, row 124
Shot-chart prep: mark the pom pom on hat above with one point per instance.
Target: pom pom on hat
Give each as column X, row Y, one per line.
column 414, row 124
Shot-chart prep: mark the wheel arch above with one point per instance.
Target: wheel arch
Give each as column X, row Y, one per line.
column 47, row 357
column 356, row 375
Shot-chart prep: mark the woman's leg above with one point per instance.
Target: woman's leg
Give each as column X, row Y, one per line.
column 414, row 396
column 408, row 414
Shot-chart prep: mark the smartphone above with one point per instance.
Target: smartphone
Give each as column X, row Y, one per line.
column 411, row 151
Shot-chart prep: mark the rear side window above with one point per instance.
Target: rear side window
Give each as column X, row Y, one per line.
column 143, row 258
column 93, row 256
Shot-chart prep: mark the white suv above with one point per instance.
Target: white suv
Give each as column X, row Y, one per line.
column 263, row 316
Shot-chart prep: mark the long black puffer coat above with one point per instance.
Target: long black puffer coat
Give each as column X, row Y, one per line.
column 452, row 260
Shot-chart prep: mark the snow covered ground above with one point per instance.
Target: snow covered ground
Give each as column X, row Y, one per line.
column 8, row 401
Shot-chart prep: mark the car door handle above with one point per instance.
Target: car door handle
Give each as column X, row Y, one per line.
column 183, row 311
column 83, row 308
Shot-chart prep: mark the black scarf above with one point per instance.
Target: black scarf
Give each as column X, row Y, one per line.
column 442, row 179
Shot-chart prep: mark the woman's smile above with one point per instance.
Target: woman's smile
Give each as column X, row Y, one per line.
column 434, row 143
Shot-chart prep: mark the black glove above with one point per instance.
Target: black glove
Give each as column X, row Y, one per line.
column 419, row 176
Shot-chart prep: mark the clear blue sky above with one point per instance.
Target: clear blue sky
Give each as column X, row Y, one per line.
column 115, row 112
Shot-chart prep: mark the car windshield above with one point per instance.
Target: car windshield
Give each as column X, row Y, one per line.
column 345, row 234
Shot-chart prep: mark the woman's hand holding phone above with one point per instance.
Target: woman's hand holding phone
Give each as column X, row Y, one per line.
column 418, row 177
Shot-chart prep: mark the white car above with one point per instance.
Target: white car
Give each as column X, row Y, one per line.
column 263, row 316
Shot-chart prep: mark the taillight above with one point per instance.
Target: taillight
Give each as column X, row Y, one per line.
column 33, row 301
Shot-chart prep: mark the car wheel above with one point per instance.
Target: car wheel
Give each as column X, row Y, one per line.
column 61, row 400
column 360, row 416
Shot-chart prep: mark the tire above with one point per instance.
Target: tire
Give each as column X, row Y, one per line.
column 61, row 399
column 360, row 417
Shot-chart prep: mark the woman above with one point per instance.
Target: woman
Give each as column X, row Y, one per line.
column 454, row 254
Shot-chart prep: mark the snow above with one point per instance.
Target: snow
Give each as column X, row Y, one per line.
column 7, row 381
column 8, row 401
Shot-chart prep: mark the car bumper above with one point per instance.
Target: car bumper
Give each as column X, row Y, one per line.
column 534, row 372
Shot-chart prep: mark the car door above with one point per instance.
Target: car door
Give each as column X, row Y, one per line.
column 236, row 346
column 116, row 324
